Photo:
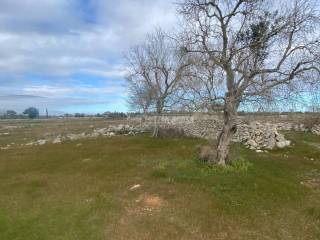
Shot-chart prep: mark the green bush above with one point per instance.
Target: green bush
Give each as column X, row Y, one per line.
column 237, row 166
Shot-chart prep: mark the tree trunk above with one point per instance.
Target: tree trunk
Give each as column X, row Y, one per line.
column 229, row 128
column 155, row 133
column 157, row 119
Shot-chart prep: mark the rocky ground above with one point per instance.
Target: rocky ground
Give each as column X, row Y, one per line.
column 110, row 131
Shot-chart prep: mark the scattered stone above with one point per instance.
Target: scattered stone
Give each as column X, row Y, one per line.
column 311, row 183
column 73, row 137
column 316, row 129
column 134, row 187
column 283, row 144
column 57, row 140
column 41, row 142
column 111, row 134
column 30, row 144
column 5, row 148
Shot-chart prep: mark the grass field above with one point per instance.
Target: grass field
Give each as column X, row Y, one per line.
column 82, row 190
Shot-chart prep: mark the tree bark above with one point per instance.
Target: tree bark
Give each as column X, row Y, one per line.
column 228, row 130
column 155, row 133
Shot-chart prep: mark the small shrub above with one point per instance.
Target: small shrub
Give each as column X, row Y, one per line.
column 159, row 173
column 171, row 133
column 205, row 154
column 237, row 166
column 240, row 165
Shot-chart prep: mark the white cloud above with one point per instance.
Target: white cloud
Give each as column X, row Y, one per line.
column 55, row 91
column 51, row 37
column 57, row 39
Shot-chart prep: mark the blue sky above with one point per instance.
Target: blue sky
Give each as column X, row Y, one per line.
column 67, row 55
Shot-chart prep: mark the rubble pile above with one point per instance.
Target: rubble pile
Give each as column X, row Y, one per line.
column 258, row 136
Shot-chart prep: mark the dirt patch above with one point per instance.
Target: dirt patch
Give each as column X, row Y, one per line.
column 146, row 204
column 153, row 201
column 312, row 183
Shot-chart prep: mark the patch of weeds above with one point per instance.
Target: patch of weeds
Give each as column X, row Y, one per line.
column 221, row 188
column 159, row 173
column 162, row 165
column 237, row 166
column 160, row 170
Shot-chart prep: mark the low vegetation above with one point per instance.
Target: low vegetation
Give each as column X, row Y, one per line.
column 144, row 188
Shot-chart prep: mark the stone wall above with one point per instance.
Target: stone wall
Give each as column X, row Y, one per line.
column 254, row 134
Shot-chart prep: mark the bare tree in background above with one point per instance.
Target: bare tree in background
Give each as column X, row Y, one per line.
column 255, row 46
column 140, row 97
column 315, row 98
column 155, row 69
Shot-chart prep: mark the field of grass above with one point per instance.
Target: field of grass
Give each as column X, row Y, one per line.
column 82, row 190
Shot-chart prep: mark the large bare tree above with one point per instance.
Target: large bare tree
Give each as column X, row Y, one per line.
column 155, row 69
column 254, row 46
column 201, row 87
column 140, row 98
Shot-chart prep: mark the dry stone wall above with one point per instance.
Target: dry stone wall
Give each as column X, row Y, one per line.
column 255, row 135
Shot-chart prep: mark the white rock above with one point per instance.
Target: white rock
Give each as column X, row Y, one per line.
column 280, row 144
column 316, row 129
column 252, row 143
column 135, row 187
column 73, row 137
column 111, row 134
column 57, row 140
column 41, row 142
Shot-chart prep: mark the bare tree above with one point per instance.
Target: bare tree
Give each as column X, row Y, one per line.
column 255, row 46
column 201, row 87
column 155, row 69
column 140, row 96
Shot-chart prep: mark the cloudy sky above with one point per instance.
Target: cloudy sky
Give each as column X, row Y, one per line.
column 67, row 55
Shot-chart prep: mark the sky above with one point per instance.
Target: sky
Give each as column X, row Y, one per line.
column 67, row 55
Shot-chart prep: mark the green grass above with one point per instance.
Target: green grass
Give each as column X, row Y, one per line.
column 70, row 193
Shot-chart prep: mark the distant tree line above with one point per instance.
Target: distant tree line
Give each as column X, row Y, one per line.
column 33, row 113
column 102, row 115
column 30, row 113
